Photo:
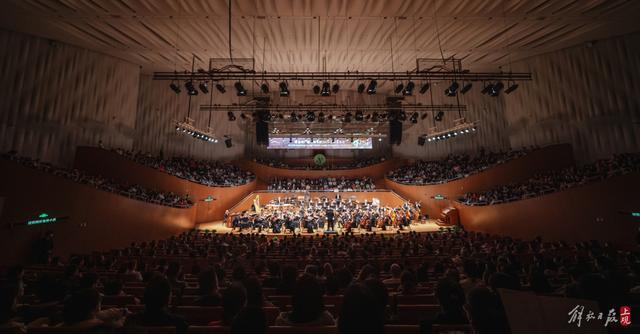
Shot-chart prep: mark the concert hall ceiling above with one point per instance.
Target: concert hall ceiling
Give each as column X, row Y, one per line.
column 295, row 35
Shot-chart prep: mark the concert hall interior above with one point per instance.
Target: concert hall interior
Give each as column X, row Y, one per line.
column 319, row 167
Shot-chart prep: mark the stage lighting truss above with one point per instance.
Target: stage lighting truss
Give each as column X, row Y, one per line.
column 461, row 128
column 186, row 127
column 323, row 130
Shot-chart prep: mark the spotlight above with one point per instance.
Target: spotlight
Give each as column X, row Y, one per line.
column 231, row 116
column 421, row 140
column 371, row 89
column 399, row 88
column 487, row 88
column 359, row 116
column 221, row 88
column 325, row 89
column 414, row 118
column 379, row 138
column 204, row 87
column 284, row 89
column 316, row 89
column 240, row 91
column 408, row 90
column 294, row 117
column 466, row 88
column 495, row 90
column 374, row 117
column 424, row 88
column 424, row 116
column 452, row 90
column 174, row 87
column 511, row 88
column 243, row 116
column 347, row 117
column 335, row 88
column 264, row 88
column 321, row 117
column 439, row 116
column 191, row 90
column 361, row 88
column 227, row 142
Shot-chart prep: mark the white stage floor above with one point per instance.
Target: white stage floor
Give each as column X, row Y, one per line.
column 427, row 226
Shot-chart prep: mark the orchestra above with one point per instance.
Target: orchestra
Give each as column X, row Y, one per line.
column 306, row 214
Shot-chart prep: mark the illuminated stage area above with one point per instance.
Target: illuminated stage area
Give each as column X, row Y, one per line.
column 428, row 225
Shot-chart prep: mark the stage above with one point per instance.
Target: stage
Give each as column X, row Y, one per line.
column 428, row 225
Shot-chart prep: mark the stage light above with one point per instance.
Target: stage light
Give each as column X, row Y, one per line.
column 191, row 90
column 231, row 116
column 316, row 89
column 227, row 142
column 466, row 88
column 174, row 87
column 511, row 88
column 204, row 87
column 414, row 118
column 240, row 91
column 284, row 89
column 421, row 141
column 361, row 88
column 424, row 116
column 439, row 116
column 424, row 88
column 220, row 88
column 326, row 89
column 371, row 89
column 335, row 88
column 243, row 116
column 399, row 88
column 486, row 88
column 379, row 138
column 374, row 117
column 495, row 90
column 359, row 116
column 452, row 90
column 264, row 88
column 294, row 117
column 408, row 90
column 347, row 117
column 321, row 117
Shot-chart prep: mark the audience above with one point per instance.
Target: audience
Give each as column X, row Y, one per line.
column 99, row 182
column 322, row 184
column 359, row 163
column 307, row 305
column 361, row 311
column 556, row 180
column 209, row 173
column 157, row 297
column 452, row 167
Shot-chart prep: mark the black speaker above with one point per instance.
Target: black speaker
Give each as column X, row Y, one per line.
column 421, row 141
column 262, row 127
column 395, row 116
column 228, row 143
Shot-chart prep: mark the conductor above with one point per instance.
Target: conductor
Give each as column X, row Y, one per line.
column 330, row 219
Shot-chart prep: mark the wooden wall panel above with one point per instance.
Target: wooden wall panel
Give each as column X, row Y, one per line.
column 591, row 212
column 546, row 158
column 586, row 96
column 98, row 220
column 112, row 165
column 54, row 97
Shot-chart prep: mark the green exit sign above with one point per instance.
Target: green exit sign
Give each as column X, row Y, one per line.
column 439, row 197
column 635, row 214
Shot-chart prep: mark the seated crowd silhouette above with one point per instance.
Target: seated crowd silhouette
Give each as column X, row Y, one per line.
column 204, row 282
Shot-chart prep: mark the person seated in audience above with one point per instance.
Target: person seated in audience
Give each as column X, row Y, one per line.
column 451, row 298
column 8, row 300
column 473, row 276
column 408, row 284
column 485, row 312
column 396, row 272
column 329, row 280
column 255, row 297
column 381, row 294
column 307, row 305
column 132, row 270
column 361, row 311
column 273, row 280
column 208, row 288
column 288, row 281
column 157, row 297
column 234, row 299
column 80, row 311
column 250, row 320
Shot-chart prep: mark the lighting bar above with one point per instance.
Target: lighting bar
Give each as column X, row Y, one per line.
column 186, row 127
column 326, row 108
column 461, row 128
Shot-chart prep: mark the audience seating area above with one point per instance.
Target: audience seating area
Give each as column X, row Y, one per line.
column 209, row 173
column 552, row 181
column 222, row 282
column 454, row 166
column 360, row 163
column 322, row 184
column 129, row 190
